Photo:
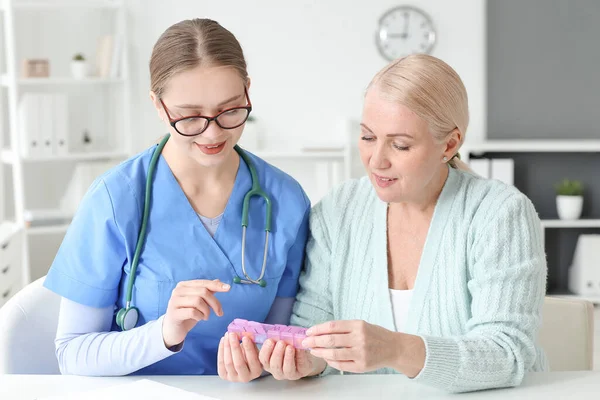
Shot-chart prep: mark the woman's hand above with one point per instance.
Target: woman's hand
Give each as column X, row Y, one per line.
column 357, row 346
column 190, row 302
column 237, row 363
column 286, row 362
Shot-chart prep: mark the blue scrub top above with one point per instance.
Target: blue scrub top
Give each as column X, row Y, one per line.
column 94, row 260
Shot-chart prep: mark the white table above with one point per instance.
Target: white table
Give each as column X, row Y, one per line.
column 554, row 385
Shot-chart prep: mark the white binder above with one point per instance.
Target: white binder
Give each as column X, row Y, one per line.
column 584, row 272
column 322, row 180
column 503, row 169
column 481, row 166
column 46, row 130
column 29, row 125
column 60, row 139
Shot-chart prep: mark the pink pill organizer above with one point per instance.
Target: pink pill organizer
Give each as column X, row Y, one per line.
column 259, row 333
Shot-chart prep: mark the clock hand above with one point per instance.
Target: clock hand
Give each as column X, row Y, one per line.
column 404, row 34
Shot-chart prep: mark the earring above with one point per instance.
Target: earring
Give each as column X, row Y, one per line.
column 445, row 158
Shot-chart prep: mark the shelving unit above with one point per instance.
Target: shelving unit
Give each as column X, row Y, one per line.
column 47, row 230
column 579, row 223
column 539, row 164
column 304, row 155
column 8, row 157
column 60, row 4
column 98, row 106
column 330, row 167
column 8, row 82
column 530, row 146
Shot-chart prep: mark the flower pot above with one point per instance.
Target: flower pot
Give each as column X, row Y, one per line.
column 569, row 207
column 79, row 69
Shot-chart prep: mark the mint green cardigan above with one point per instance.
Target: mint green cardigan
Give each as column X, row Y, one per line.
column 480, row 285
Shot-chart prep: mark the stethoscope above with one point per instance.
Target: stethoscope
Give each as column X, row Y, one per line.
column 127, row 317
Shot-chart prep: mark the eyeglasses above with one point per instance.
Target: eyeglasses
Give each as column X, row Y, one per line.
column 196, row 124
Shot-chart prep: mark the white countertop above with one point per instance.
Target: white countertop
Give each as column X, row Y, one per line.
column 553, row 385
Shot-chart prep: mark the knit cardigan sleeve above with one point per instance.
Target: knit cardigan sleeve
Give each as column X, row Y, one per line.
column 314, row 300
column 507, row 277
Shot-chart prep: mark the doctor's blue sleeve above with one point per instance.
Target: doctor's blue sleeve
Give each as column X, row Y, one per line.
column 88, row 266
column 288, row 286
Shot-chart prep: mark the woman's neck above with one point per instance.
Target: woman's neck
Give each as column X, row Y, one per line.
column 424, row 204
column 200, row 183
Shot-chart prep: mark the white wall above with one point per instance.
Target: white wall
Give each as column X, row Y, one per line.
column 309, row 60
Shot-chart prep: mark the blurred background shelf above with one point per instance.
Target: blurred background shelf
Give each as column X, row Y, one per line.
column 303, row 155
column 59, row 229
column 578, row 223
column 60, row 81
column 532, row 146
column 61, row 4
column 63, row 123
column 8, row 157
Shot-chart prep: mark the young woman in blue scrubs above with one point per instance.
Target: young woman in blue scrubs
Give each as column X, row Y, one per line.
column 187, row 284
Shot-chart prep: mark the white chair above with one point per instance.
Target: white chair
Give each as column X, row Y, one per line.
column 567, row 334
column 28, row 324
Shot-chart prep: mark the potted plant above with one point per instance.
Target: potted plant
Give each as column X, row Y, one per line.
column 79, row 68
column 569, row 199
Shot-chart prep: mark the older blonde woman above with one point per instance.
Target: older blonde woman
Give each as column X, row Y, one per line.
column 421, row 267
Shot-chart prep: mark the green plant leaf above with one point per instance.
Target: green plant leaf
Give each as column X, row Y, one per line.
column 568, row 187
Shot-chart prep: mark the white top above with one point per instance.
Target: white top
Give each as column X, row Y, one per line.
column 400, row 304
column 581, row 385
column 211, row 224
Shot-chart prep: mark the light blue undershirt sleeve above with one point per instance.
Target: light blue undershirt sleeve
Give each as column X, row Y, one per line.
column 85, row 345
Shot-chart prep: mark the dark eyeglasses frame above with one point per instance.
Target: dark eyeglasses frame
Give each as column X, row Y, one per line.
column 173, row 122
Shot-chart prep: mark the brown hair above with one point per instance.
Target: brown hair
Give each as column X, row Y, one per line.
column 432, row 90
column 191, row 43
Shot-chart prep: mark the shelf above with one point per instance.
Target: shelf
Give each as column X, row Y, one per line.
column 7, row 229
column 578, row 223
column 8, row 157
column 591, row 299
column 534, row 146
column 302, row 155
column 60, row 4
column 47, row 230
column 60, row 81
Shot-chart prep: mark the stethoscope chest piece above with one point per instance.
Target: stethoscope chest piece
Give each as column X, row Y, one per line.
column 260, row 282
column 127, row 318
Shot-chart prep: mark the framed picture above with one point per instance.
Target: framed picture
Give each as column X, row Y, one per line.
column 35, row 68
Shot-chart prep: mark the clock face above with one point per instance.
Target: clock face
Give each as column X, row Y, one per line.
column 404, row 30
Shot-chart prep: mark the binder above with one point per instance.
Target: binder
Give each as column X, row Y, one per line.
column 503, row 170
column 584, row 272
column 46, row 130
column 481, row 166
column 104, row 54
column 60, row 139
column 115, row 62
column 29, row 125
column 323, row 180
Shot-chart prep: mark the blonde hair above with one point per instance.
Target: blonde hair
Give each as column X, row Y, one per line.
column 432, row 90
column 192, row 43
